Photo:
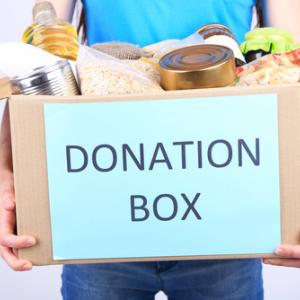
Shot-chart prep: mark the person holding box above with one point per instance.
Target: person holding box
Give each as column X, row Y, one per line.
column 145, row 22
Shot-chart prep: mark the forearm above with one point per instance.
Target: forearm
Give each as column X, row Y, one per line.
column 64, row 8
column 283, row 14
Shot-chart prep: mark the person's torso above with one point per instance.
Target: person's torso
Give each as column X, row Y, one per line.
column 145, row 22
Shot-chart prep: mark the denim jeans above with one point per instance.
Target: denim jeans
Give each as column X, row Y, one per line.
column 179, row 280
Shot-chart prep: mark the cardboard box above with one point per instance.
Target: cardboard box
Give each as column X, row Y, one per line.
column 5, row 90
column 31, row 176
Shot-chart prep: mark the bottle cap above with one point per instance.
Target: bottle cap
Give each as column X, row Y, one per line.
column 202, row 66
column 44, row 8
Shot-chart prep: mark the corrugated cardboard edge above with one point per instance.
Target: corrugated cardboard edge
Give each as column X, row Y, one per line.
column 5, row 88
column 28, row 141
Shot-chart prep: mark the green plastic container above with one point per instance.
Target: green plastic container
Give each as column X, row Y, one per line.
column 261, row 41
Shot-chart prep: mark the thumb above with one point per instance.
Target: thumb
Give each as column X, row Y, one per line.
column 288, row 251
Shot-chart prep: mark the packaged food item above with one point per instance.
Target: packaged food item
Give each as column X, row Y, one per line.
column 102, row 74
column 192, row 40
column 50, row 34
column 212, row 34
column 17, row 59
column 218, row 34
column 57, row 79
column 194, row 67
column 156, row 47
column 145, row 68
column 277, row 68
column 263, row 41
column 158, row 50
column 121, row 50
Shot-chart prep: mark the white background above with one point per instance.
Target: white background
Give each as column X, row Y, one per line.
column 44, row 282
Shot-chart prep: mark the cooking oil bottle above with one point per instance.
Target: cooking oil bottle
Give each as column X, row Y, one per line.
column 51, row 34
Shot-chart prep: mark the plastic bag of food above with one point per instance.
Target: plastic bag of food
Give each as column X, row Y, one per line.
column 271, row 69
column 102, row 74
column 191, row 40
column 121, row 50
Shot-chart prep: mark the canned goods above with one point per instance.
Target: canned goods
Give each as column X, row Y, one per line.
column 57, row 79
column 194, row 67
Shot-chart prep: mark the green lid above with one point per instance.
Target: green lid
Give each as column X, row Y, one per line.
column 295, row 46
column 269, row 33
column 268, row 39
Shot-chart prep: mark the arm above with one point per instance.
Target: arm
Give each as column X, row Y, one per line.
column 9, row 242
column 64, row 8
column 283, row 14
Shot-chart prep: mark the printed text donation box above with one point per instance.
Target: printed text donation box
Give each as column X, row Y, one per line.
column 163, row 178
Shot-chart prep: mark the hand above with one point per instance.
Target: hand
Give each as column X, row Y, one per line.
column 289, row 256
column 9, row 242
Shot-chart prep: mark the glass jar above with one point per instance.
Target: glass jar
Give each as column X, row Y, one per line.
column 218, row 34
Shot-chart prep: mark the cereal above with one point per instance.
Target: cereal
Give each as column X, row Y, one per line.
column 101, row 74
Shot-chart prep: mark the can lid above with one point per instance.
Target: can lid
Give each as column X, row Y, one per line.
column 215, row 29
column 197, row 67
column 5, row 88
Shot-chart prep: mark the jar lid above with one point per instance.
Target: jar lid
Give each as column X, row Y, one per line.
column 5, row 89
column 269, row 40
column 201, row 66
column 269, row 33
column 215, row 29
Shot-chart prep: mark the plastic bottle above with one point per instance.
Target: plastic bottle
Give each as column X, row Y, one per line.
column 51, row 34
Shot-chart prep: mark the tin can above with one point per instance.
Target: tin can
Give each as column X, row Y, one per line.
column 57, row 79
column 194, row 67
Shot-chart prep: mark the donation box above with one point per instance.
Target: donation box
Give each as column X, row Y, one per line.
column 178, row 175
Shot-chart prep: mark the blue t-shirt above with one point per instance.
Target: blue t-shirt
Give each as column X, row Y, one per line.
column 144, row 22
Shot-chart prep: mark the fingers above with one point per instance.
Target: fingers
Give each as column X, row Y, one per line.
column 10, row 243
column 289, row 256
column 15, row 263
column 14, row 241
column 9, row 202
column 288, row 251
column 7, row 222
column 15, row 252
column 283, row 262
column 7, row 194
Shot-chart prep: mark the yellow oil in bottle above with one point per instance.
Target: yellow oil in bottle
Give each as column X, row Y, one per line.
column 50, row 34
